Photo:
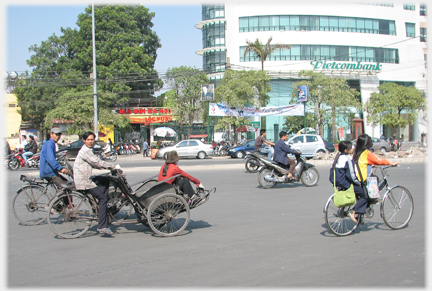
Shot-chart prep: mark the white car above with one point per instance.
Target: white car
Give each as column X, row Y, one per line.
column 188, row 148
column 308, row 144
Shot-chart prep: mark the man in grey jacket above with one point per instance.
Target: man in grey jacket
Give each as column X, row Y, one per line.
column 84, row 162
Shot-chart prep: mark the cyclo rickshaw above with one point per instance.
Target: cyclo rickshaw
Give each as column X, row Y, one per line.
column 159, row 205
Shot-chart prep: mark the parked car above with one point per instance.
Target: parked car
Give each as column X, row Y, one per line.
column 308, row 144
column 74, row 147
column 241, row 150
column 188, row 148
column 378, row 145
column 329, row 146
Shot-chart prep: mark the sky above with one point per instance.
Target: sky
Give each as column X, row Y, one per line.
column 27, row 25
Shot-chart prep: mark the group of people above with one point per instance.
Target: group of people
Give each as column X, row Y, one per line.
column 355, row 170
column 86, row 160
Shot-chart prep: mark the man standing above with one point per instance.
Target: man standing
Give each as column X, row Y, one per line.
column 281, row 151
column 49, row 167
column 260, row 141
column 145, row 148
column 243, row 140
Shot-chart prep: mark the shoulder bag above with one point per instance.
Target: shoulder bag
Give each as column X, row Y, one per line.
column 343, row 198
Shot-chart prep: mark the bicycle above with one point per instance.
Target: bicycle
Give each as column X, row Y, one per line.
column 159, row 205
column 396, row 208
column 30, row 204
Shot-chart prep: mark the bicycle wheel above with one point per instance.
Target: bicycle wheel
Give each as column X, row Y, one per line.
column 117, row 208
column 397, row 207
column 338, row 221
column 263, row 177
column 168, row 214
column 310, row 177
column 30, row 205
column 72, row 220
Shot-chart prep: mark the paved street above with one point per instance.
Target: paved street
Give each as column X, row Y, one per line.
column 244, row 236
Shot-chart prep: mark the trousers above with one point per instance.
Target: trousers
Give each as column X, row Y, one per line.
column 185, row 186
column 101, row 194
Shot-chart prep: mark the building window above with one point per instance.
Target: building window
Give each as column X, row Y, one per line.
column 214, row 61
column 328, row 52
column 213, row 34
column 410, row 29
column 213, row 11
column 409, row 7
column 12, row 105
column 423, row 10
column 316, row 23
column 423, row 34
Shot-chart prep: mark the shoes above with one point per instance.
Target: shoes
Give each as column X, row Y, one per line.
column 105, row 231
column 351, row 215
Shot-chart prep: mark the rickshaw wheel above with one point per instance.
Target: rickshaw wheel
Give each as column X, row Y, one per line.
column 168, row 214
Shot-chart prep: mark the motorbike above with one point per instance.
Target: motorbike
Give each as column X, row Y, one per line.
column 252, row 161
column 272, row 173
column 16, row 161
column 108, row 156
column 394, row 144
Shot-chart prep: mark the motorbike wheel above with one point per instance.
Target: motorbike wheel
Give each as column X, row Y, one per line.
column 266, row 173
column 310, row 177
column 252, row 166
column 13, row 164
column 113, row 157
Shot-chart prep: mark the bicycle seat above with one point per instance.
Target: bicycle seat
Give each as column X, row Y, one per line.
column 24, row 178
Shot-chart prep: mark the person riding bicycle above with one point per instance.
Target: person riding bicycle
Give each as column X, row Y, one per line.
column 170, row 169
column 364, row 158
column 260, row 141
column 344, row 167
column 84, row 162
column 281, row 150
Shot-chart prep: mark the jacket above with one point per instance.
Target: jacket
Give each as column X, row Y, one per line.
column 280, row 152
column 173, row 170
column 85, row 161
column 48, row 164
column 345, row 172
column 366, row 159
column 33, row 147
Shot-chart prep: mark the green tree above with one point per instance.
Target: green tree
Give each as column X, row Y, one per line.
column 186, row 86
column 241, row 89
column 126, row 51
column 330, row 100
column 395, row 105
column 292, row 124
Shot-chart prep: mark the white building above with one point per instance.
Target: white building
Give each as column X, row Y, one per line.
column 366, row 43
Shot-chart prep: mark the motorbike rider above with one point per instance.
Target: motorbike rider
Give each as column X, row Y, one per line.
column 32, row 149
column 84, row 162
column 260, row 140
column 281, row 150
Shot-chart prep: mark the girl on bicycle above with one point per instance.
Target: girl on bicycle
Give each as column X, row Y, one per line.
column 344, row 166
column 364, row 158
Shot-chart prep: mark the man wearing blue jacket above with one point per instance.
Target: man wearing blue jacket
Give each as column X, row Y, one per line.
column 49, row 167
column 281, row 149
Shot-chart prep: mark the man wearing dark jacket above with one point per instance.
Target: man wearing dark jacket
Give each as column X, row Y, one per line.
column 281, row 149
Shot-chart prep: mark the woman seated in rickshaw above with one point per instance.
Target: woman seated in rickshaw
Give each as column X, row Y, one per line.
column 170, row 169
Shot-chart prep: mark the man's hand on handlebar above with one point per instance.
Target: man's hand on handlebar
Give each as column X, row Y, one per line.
column 64, row 171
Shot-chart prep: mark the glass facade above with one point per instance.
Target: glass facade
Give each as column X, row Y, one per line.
column 423, row 10
column 214, row 61
column 423, row 34
column 410, row 29
column 213, row 11
column 213, row 34
column 409, row 7
column 316, row 23
column 328, row 52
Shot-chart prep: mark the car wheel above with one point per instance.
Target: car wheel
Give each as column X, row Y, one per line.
column 240, row 155
column 320, row 152
column 383, row 150
column 201, row 155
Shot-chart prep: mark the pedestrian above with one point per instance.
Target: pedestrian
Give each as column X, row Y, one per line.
column 382, row 137
column 85, row 161
column 50, row 169
column 145, row 148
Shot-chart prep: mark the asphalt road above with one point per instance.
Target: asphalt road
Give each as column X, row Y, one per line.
column 244, row 236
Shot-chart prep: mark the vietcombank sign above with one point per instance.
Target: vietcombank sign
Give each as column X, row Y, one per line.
column 323, row 65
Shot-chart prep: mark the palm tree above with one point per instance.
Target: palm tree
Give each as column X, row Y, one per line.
column 263, row 51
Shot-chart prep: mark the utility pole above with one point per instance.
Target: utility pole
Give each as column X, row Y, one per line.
column 96, row 130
